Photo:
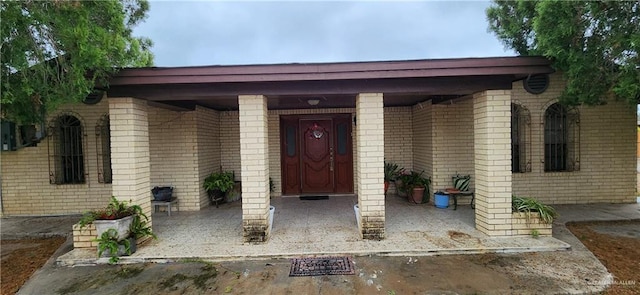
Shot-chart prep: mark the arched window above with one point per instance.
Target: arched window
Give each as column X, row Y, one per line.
column 561, row 136
column 520, row 139
column 103, row 149
column 66, row 151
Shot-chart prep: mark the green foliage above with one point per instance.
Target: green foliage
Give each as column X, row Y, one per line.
column 528, row 205
column 596, row 45
column 223, row 181
column 272, row 186
column 108, row 241
column 412, row 180
column 535, row 233
column 114, row 210
column 56, row 52
column 140, row 228
column 392, row 171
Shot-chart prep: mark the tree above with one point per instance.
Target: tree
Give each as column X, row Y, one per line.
column 594, row 44
column 56, row 52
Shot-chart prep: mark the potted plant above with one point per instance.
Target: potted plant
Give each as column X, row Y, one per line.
column 110, row 246
column 218, row 184
column 530, row 206
column 117, row 215
column 391, row 173
column 415, row 186
column 140, row 229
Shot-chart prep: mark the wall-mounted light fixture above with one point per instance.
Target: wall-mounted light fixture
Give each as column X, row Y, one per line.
column 313, row 102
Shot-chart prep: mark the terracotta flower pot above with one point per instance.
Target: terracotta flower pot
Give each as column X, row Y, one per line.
column 417, row 195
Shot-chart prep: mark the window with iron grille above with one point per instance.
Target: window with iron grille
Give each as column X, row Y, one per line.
column 103, row 150
column 561, row 139
column 520, row 139
column 66, row 151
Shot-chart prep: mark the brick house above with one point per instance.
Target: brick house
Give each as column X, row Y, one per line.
column 327, row 128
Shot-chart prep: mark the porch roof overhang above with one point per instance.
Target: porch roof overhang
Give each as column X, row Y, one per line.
column 289, row 86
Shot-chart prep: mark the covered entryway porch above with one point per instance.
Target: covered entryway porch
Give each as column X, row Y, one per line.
column 321, row 227
column 256, row 96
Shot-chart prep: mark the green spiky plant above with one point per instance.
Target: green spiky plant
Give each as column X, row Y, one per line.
column 529, row 205
column 392, row 171
column 114, row 210
column 108, row 241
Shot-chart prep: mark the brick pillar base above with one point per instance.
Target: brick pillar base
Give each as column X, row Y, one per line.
column 492, row 150
column 254, row 158
column 370, row 165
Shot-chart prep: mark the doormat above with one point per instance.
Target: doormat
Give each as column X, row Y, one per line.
column 320, row 266
column 314, row 197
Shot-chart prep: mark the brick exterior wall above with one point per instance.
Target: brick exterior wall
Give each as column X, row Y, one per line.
column 492, row 145
column 607, row 153
column 208, row 149
column 185, row 149
column 254, row 157
column 422, row 130
column 399, row 136
column 370, row 167
column 25, row 173
column 433, row 138
column 230, row 142
column 443, row 141
column 173, row 144
column 130, row 160
column 452, row 142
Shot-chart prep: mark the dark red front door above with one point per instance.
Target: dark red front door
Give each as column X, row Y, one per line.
column 316, row 154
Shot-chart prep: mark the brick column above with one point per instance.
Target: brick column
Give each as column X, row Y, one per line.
column 370, row 164
column 492, row 149
column 254, row 159
column 130, row 151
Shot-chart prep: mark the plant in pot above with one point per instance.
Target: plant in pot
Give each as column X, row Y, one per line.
column 415, row 186
column 218, row 184
column 391, row 173
column 531, row 205
column 110, row 246
column 117, row 215
column 118, row 227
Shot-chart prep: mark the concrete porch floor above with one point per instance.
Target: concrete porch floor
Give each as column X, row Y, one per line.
column 318, row 227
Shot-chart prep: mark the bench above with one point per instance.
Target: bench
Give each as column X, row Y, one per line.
column 457, row 193
column 156, row 204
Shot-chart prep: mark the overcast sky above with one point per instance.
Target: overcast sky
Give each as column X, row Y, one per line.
column 233, row 32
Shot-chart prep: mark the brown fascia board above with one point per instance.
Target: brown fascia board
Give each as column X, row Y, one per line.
column 516, row 66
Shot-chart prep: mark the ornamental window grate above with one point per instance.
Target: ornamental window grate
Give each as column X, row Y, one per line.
column 66, row 151
column 520, row 139
column 561, row 139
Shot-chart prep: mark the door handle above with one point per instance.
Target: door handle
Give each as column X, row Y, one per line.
column 330, row 158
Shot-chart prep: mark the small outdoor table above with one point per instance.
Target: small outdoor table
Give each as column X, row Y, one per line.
column 167, row 204
column 455, row 193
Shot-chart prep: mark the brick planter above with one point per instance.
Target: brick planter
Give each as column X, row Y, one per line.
column 523, row 226
column 83, row 237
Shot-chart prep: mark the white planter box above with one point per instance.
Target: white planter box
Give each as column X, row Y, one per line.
column 356, row 209
column 121, row 225
column 272, row 211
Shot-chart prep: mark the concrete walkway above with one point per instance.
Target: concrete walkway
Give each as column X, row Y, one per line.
column 551, row 272
column 328, row 227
